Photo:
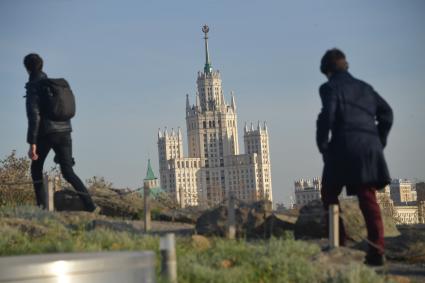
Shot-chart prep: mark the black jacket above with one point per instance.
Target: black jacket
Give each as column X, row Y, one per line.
column 359, row 121
column 38, row 124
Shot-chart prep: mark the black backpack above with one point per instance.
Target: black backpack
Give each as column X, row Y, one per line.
column 59, row 99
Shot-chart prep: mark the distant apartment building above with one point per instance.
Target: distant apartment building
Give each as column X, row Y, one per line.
column 384, row 198
column 385, row 192
column 401, row 191
column 421, row 211
column 399, row 198
column 307, row 190
column 414, row 195
column 407, row 214
column 420, row 191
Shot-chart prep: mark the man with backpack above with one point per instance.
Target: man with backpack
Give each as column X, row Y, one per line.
column 50, row 105
column 359, row 121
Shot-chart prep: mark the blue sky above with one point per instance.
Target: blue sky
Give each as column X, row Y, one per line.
column 130, row 64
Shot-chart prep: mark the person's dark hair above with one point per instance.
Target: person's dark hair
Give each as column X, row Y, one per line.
column 333, row 61
column 33, row 62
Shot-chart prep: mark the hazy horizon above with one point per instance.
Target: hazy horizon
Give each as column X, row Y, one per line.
column 131, row 63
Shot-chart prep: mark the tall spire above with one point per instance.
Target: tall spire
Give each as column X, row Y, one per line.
column 149, row 172
column 187, row 102
column 207, row 68
column 233, row 103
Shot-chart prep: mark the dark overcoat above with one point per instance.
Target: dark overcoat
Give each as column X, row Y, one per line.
column 359, row 121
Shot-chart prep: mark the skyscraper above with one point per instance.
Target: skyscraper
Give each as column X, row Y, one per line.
column 214, row 169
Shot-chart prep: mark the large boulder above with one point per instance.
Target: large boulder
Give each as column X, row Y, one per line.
column 249, row 220
column 178, row 215
column 112, row 202
column 276, row 225
column 311, row 221
column 257, row 214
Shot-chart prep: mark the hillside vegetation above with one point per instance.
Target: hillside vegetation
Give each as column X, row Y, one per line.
column 30, row 230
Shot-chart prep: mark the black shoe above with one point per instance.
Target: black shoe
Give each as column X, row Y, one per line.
column 374, row 259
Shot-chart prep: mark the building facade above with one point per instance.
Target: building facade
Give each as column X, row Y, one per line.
column 420, row 191
column 407, row 214
column 401, row 191
column 421, row 211
column 403, row 212
column 214, row 169
column 307, row 190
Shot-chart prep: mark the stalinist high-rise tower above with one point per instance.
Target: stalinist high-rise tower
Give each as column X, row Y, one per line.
column 214, row 169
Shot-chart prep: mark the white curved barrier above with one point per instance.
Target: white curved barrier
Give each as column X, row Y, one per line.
column 102, row 267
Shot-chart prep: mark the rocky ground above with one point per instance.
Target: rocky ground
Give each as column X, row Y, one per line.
column 405, row 245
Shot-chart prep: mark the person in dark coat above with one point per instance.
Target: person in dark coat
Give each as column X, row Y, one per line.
column 359, row 121
column 44, row 134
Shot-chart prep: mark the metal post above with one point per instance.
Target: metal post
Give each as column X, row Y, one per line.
column 48, row 184
column 147, row 208
column 168, row 258
column 231, row 219
column 333, row 226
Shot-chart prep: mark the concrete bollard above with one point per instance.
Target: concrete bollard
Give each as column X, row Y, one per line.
column 147, row 208
column 168, row 258
column 231, row 219
column 333, row 226
column 49, row 191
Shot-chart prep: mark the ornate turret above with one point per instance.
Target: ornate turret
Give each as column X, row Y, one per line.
column 150, row 182
column 149, row 172
column 233, row 103
column 198, row 103
column 265, row 127
column 187, row 103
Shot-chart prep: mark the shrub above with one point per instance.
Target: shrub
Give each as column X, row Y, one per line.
column 15, row 182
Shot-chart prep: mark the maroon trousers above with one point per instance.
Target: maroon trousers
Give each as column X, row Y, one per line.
column 371, row 213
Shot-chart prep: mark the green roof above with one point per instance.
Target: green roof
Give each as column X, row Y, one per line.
column 149, row 174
